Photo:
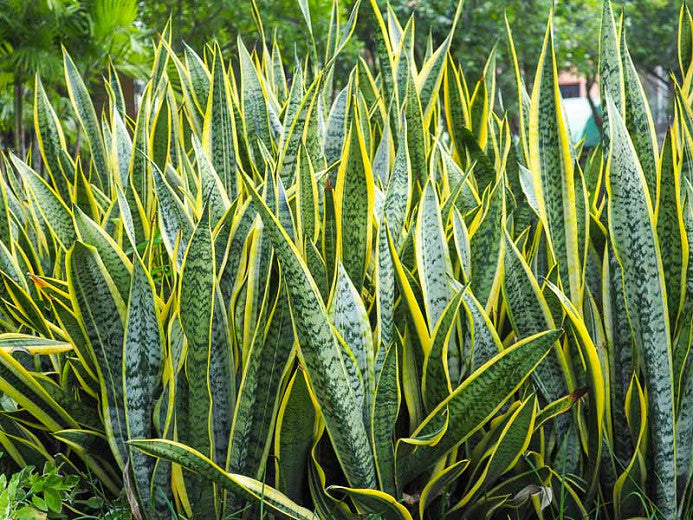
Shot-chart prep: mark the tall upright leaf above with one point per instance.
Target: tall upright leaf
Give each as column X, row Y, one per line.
column 219, row 135
column 354, row 200
column 102, row 313
column 552, row 170
column 81, row 101
column 142, row 366
column 321, row 357
column 634, row 237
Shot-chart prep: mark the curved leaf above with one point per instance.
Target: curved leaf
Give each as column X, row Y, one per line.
column 246, row 487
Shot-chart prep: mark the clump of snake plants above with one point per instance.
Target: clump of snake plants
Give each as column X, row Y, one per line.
column 277, row 292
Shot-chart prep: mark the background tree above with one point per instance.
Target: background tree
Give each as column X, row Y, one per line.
column 650, row 44
column 32, row 32
column 576, row 26
column 197, row 22
column 31, row 35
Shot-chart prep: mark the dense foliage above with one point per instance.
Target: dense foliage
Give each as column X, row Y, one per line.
column 55, row 493
column 98, row 33
column 101, row 33
column 327, row 303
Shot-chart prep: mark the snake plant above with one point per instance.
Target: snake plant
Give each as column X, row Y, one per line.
column 278, row 291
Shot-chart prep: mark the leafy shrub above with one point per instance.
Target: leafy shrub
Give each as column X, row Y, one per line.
column 56, row 493
column 28, row 495
column 374, row 301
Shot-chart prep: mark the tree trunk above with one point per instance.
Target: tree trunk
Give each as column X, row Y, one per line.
column 19, row 117
column 78, row 140
column 178, row 37
column 597, row 118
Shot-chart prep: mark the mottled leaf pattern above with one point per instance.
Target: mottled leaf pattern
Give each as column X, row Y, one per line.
column 307, row 292
column 631, row 222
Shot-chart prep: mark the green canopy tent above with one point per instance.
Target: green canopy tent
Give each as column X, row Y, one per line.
column 581, row 122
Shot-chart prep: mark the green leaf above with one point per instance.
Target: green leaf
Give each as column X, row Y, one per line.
column 298, row 120
column 484, row 339
column 435, row 384
column 294, row 437
column 55, row 213
column 21, row 386
column 102, row 313
column 631, row 480
column 354, row 201
column 305, row 10
column 639, row 120
column 374, row 501
column 671, row 231
column 208, row 363
column 385, row 408
column 174, row 221
column 22, row 342
column 416, row 135
column 398, row 194
column 320, row 353
column 530, row 314
column 474, row 402
column 462, row 244
column 29, row 513
column 553, row 177
column 51, row 139
column 432, row 256
column 456, row 106
column 512, row 442
column 384, row 293
column 634, row 238
column 350, row 318
column 121, row 148
column 431, row 75
column 685, row 39
column 197, row 304
column 52, row 498
column 259, row 394
column 139, row 188
column 486, row 247
column 337, row 125
column 256, row 110
column 219, row 134
column 307, row 204
column 212, row 188
column 117, row 264
column 394, row 213
column 255, row 491
column 611, row 81
column 479, row 115
column 84, row 109
column 200, row 77
column 142, row 367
